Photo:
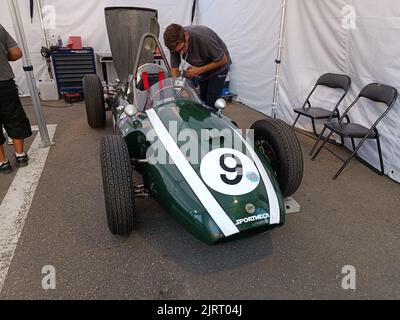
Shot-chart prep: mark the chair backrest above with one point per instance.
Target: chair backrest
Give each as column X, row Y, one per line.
column 376, row 92
column 380, row 93
column 335, row 81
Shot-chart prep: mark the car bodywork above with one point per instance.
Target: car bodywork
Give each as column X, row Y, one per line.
column 211, row 215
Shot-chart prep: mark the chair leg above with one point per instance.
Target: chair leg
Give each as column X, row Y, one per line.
column 345, row 165
column 380, row 155
column 314, row 128
column 297, row 119
column 353, row 143
column 354, row 154
column 322, row 146
column 318, row 141
column 341, row 137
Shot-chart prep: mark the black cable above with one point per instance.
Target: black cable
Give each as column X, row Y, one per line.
column 193, row 10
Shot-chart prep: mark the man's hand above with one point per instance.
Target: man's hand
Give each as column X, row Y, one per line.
column 193, row 72
column 175, row 73
column 14, row 54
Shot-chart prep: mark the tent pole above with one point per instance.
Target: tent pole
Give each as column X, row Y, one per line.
column 278, row 60
column 28, row 68
column 44, row 30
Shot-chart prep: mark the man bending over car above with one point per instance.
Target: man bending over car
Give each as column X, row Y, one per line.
column 207, row 54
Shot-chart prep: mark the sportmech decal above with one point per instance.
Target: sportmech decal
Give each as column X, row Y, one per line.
column 263, row 216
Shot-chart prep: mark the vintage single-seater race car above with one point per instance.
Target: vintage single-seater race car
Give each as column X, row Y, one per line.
column 218, row 183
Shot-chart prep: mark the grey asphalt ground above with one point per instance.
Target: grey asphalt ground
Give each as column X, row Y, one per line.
column 352, row 221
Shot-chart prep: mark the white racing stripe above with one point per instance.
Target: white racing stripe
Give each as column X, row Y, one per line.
column 17, row 202
column 220, row 217
column 275, row 211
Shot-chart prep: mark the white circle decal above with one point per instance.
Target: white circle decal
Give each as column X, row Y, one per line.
column 229, row 172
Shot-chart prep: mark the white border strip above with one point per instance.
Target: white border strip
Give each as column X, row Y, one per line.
column 196, row 184
column 275, row 211
column 17, row 202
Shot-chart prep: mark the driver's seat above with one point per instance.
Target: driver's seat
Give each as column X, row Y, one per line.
column 147, row 80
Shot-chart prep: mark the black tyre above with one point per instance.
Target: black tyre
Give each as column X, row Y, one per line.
column 118, row 185
column 278, row 142
column 94, row 101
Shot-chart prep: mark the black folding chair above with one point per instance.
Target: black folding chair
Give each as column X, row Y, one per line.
column 376, row 92
column 331, row 80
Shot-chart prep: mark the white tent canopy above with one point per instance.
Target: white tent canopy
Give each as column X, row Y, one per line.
column 355, row 37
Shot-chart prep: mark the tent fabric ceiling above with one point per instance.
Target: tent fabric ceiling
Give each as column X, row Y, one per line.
column 320, row 36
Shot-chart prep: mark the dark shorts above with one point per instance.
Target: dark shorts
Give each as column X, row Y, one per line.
column 12, row 115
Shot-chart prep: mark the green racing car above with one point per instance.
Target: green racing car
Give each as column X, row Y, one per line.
column 219, row 182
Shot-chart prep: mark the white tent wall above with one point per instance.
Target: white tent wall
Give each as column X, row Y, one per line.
column 322, row 37
column 251, row 30
column 86, row 19
column 35, row 39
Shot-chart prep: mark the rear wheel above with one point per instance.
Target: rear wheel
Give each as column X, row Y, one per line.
column 278, row 142
column 118, row 185
column 94, row 101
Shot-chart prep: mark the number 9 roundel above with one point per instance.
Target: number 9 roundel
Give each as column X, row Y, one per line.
column 229, row 172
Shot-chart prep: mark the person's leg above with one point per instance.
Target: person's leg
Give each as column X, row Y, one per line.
column 5, row 167
column 215, row 87
column 203, row 90
column 3, row 157
column 18, row 146
column 16, row 123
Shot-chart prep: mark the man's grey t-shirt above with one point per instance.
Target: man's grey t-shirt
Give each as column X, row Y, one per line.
column 205, row 46
column 6, row 43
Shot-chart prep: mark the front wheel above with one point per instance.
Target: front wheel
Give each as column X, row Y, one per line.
column 118, row 185
column 279, row 144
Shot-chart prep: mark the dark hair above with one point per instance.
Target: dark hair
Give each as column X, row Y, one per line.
column 173, row 35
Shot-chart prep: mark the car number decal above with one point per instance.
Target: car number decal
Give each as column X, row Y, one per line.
column 229, row 172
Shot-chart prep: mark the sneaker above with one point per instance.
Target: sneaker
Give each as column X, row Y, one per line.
column 6, row 168
column 22, row 161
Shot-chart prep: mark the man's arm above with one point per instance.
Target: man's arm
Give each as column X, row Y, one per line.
column 14, row 54
column 195, row 71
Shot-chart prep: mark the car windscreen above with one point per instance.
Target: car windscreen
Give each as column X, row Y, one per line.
column 169, row 90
